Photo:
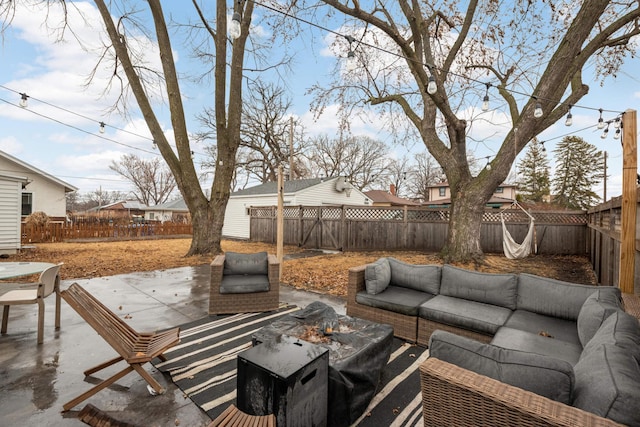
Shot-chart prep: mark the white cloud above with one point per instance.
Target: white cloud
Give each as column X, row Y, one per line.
column 11, row 145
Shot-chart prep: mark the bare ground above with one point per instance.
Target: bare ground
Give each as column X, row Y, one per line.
column 326, row 273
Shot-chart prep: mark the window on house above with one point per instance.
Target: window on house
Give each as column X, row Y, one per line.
column 499, row 190
column 27, row 204
column 443, row 191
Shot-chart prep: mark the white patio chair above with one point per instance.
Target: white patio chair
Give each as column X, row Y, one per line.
column 48, row 283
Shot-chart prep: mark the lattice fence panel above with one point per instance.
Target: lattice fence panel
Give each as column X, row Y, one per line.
column 331, row 213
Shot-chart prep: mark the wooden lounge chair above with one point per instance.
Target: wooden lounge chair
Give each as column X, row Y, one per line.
column 232, row 416
column 133, row 347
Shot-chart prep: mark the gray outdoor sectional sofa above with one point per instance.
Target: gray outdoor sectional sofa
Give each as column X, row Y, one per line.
column 571, row 343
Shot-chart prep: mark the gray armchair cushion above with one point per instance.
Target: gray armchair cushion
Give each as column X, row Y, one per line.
column 488, row 288
column 472, row 315
column 425, row 278
column 620, row 329
column 560, row 329
column 554, row 297
column 597, row 307
column 236, row 263
column 607, row 381
column 395, row 298
column 543, row 375
column 377, row 276
column 244, row 284
column 515, row 339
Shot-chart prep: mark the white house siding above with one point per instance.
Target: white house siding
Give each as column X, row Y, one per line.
column 48, row 192
column 10, row 202
column 237, row 219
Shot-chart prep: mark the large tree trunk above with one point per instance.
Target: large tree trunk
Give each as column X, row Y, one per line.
column 463, row 239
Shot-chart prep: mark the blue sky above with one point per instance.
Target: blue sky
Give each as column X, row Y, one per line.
column 56, row 73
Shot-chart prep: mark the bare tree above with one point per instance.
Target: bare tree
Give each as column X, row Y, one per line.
column 361, row 159
column 438, row 55
column 121, row 20
column 102, row 197
column 152, row 180
column 425, row 173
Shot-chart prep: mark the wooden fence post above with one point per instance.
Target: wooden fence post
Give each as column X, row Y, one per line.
column 629, row 201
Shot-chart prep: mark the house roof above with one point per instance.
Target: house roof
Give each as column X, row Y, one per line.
column 382, row 196
column 446, row 184
column 67, row 187
column 124, row 204
column 494, row 200
column 174, row 205
column 289, row 187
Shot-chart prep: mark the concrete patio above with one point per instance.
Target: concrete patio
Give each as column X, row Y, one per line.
column 38, row 379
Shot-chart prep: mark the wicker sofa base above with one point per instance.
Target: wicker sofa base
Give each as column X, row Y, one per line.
column 453, row 396
column 426, row 328
column 405, row 327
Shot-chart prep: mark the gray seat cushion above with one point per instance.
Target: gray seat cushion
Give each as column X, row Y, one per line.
column 425, row 278
column 462, row 313
column 377, row 276
column 607, row 381
column 236, row 263
column 554, row 297
column 543, row 375
column 560, row 329
column 596, row 308
column 395, row 298
column 620, row 329
column 495, row 289
column 515, row 339
column 244, row 284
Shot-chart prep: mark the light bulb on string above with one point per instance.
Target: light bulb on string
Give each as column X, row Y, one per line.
column 234, row 26
column 605, row 132
column 102, row 125
column 616, row 135
column 569, row 120
column 24, row 100
column 352, row 61
column 600, row 120
column 432, row 87
column 155, row 145
column 616, row 123
column 485, row 100
column 544, row 150
column 537, row 113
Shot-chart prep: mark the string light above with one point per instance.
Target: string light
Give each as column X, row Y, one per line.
column 605, row 132
column 544, row 150
column 24, row 100
column 234, row 26
column 485, row 100
column 488, row 165
column 616, row 135
column 352, row 62
column 432, row 87
column 616, row 123
column 569, row 120
column 600, row 120
column 537, row 113
column 102, row 125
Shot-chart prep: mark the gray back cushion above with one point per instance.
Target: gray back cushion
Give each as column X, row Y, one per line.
column 607, row 381
column 620, row 329
column 377, row 276
column 553, row 297
column 543, row 375
column 425, row 278
column 596, row 308
column 488, row 288
column 235, row 263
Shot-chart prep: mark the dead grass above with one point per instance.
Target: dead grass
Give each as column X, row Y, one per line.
column 325, row 273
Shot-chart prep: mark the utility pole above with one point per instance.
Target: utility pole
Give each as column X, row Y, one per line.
column 604, row 191
column 291, row 175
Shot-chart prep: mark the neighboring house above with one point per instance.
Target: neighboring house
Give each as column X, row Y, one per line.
column 41, row 193
column 174, row 211
column 310, row 192
column 388, row 198
column 440, row 195
column 10, row 207
column 120, row 209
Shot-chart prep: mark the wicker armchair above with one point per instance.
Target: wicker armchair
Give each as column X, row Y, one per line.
column 227, row 303
column 453, row 396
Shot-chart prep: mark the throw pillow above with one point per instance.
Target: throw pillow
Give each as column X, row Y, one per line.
column 595, row 310
column 236, row 263
column 377, row 276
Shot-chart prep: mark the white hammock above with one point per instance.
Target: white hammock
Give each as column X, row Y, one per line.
column 512, row 249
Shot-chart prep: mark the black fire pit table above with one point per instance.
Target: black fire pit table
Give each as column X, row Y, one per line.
column 358, row 352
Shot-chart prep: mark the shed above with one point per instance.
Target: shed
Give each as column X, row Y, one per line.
column 313, row 192
column 10, row 208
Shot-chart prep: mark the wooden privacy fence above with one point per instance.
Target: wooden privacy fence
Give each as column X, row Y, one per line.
column 58, row 232
column 605, row 226
column 366, row 228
